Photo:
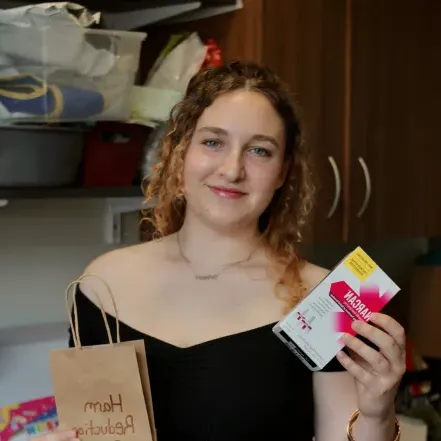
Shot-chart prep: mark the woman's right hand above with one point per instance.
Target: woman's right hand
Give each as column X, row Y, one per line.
column 58, row 435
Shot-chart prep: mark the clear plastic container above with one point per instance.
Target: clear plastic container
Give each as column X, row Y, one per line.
column 63, row 73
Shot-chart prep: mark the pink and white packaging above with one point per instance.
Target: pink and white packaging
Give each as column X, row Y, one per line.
column 353, row 290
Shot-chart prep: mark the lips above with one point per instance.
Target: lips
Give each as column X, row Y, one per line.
column 228, row 193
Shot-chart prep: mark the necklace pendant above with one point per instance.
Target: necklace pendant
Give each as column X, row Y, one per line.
column 208, row 277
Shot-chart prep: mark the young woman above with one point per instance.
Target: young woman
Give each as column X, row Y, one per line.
column 232, row 191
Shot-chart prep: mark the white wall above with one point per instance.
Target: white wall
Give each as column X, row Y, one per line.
column 24, row 370
column 45, row 244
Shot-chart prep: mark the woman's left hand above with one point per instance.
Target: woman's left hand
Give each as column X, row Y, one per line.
column 377, row 374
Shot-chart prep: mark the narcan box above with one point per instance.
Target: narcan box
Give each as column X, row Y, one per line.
column 353, row 290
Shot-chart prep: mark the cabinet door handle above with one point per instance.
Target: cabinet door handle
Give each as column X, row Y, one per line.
column 337, row 193
column 367, row 195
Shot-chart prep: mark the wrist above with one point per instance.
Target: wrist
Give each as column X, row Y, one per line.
column 367, row 427
column 387, row 417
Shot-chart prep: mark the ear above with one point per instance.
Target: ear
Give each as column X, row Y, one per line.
column 283, row 174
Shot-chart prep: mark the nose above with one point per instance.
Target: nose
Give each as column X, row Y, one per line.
column 232, row 167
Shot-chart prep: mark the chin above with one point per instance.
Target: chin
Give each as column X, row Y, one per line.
column 226, row 219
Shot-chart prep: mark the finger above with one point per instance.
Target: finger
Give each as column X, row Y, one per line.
column 66, row 435
column 376, row 360
column 357, row 371
column 391, row 326
column 363, row 363
column 59, row 435
column 384, row 342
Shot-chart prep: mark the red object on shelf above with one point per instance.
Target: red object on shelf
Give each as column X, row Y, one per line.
column 112, row 154
column 213, row 57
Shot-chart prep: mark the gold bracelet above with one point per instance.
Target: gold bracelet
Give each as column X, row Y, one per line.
column 354, row 418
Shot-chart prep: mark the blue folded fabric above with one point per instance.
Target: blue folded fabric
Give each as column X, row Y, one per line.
column 27, row 94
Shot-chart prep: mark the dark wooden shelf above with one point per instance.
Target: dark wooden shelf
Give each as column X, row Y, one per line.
column 69, row 192
column 126, row 5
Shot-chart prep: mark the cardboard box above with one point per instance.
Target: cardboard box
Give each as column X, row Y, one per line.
column 354, row 289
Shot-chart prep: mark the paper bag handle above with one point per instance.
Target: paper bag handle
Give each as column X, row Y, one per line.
column 74, row 323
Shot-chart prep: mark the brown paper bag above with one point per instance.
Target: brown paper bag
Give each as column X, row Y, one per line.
column 103, row 391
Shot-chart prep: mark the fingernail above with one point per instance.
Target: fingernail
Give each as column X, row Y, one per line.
column 355, row 324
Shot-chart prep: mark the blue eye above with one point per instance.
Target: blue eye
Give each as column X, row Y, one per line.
column 212, row 143
column 260, row 151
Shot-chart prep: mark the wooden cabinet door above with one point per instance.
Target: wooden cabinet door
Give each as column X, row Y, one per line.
column 426, row 100
column 388, row 160
column 304, row 42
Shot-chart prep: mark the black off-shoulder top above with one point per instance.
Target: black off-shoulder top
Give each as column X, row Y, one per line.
column 243, row 387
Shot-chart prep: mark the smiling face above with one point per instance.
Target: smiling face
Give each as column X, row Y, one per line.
column 235, row 160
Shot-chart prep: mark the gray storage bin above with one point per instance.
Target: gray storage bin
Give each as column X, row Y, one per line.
column 39, row 156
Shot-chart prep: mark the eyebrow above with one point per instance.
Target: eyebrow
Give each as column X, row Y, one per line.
column 258, row 137
column 216, row 130
column 266, row 138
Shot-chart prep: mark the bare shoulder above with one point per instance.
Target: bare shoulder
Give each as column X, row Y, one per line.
column 121, row 268
column 312, row 275
column 117, row 262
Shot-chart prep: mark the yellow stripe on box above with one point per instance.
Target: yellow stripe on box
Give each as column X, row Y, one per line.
column 360, row 264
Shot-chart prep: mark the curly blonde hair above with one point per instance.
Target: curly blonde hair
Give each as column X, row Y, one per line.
column 282, row 222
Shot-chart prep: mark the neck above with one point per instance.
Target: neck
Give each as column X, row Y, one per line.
column 209, row 248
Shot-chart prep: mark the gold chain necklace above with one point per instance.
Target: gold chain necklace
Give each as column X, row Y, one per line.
column 211, row 276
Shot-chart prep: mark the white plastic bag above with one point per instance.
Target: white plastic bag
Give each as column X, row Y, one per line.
column 179, row 65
